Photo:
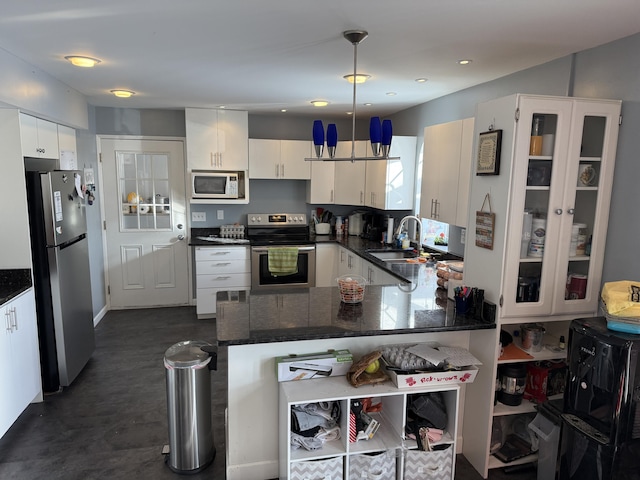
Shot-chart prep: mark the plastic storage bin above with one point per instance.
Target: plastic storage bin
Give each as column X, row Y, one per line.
column 549, row 437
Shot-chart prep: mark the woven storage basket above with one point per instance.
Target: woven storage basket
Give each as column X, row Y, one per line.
column 351, row 288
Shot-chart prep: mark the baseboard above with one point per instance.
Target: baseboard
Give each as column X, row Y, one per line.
column 100, row 316
column 253, row 471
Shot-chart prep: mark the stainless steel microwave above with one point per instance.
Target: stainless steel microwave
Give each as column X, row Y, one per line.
column 217, row 184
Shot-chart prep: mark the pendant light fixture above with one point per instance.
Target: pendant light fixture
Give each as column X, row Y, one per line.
column 380, row 133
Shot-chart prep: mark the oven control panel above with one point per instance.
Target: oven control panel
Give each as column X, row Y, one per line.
column 276, row 219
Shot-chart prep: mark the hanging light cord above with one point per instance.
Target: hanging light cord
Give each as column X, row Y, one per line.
column 353, row 109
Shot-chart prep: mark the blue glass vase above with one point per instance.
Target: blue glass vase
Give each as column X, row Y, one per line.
column 387, row 134
column 332, row 139
column 375, row 135
column 318, row 137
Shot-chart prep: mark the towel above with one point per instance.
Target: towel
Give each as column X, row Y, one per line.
column 620, row 298
column 283, row 261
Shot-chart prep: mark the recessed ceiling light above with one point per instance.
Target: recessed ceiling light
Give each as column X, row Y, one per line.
column 391, row 94
column 80, row 61
column 465, row 61
column 123, row 93
column 222, row 106
column 319, row 103
column 368, row 104
column 283, row 110
column 360, row 77
column 421, row 80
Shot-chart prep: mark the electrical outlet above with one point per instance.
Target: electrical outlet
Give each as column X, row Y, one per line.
column 463, row 236
column 220, row 214
column 198, row 216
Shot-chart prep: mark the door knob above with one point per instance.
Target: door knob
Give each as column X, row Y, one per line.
column 180, row 237
column 179, row 226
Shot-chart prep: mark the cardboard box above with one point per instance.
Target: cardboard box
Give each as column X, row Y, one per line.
column 545, row 379
column 331, row 363
column 416, row 380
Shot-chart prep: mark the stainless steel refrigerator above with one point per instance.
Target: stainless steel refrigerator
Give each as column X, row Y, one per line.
column 60, row 252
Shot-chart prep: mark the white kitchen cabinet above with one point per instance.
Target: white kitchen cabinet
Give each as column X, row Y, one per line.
column 279, row 159
column 68, row 149
column 320, row 189
column 390, row 184
column 446, row 169
column 39, row 137
column 389, row 439
column 377, row 276
column 348, row 262
column 326, row 264
column 531, row 285
column 218, row 269
column 15, row 248
column 350, row 177
column 217, row 139
column 19, row 352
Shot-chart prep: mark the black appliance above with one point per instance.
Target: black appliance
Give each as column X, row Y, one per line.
column 272, row 230
column 601, row 419
column 60, row 254
column 374, row 225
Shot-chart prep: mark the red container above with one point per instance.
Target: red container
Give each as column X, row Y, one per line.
column 576, row 286
column 544, row 379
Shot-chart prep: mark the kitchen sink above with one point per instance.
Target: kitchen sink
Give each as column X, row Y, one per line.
column 393, row 256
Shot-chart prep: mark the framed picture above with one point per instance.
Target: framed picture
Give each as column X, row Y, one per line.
column 489, row 153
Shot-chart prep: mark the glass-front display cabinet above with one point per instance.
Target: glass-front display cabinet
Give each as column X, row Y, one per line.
column 564, row 152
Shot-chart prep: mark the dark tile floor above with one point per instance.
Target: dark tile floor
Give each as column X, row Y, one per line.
column 111, row 423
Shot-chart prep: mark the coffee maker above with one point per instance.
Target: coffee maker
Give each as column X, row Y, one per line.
column 373, row 226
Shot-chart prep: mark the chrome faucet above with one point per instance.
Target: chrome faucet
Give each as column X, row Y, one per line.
column 418, row 228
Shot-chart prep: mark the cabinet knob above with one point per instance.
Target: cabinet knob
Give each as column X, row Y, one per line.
column 558, row 211
column 571, row 211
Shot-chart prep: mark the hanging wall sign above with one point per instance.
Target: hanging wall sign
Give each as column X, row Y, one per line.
column 489, row 153
column 485, row 225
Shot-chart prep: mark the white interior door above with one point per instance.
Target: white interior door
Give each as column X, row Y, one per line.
column 145, row 214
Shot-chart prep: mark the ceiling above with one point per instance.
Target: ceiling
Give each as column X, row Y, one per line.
column 267, row 55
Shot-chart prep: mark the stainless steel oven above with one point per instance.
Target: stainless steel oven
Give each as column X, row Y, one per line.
column 269, row 232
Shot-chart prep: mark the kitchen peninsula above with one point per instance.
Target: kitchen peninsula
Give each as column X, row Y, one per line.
column 258, row 326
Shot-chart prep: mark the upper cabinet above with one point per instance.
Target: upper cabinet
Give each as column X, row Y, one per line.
column 551, row 204
column 67, row 148
column 321, row 188
column 39, row 138
column 217, row 139
column 349, row 182
column 390, row 183
column 446, row 171
column 279, row 159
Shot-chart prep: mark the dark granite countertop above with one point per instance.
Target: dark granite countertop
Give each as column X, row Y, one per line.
column 13, row 282
column 248, row 317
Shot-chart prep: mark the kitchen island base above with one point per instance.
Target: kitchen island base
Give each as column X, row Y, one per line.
column 253, row 392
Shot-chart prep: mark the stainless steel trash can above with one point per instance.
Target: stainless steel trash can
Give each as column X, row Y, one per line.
column 188, row 366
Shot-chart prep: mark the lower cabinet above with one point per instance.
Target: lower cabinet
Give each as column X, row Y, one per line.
column 19, row 358
column 218, row 269
column 390, row 454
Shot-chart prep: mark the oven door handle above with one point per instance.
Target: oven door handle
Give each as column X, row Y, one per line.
column 266, row 249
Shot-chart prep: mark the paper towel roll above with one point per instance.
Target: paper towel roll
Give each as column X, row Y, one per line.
column 389, row 229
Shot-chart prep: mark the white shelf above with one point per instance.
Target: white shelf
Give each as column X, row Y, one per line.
column 500, row 409
column 390, row 436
